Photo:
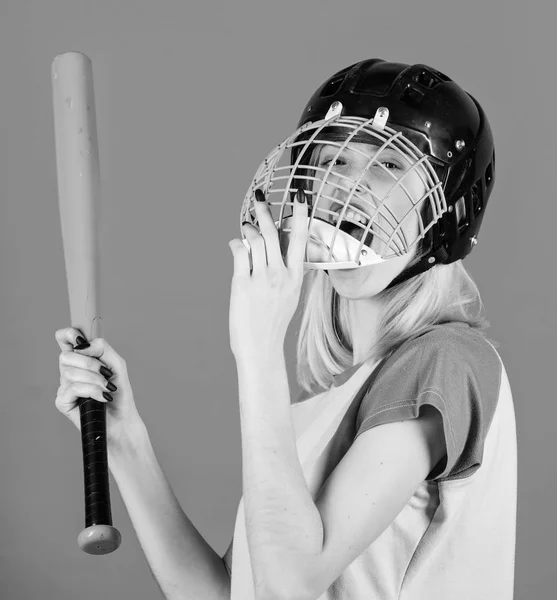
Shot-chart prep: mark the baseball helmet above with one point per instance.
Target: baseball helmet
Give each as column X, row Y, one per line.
column 437, row 141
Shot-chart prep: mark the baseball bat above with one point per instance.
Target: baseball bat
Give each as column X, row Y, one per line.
column 78, row 172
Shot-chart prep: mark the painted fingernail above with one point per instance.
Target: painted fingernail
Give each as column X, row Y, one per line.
column 82, row 346
column 110, row 386
column 80, row 340
column 108, row 396
column 301, row 196
column 245, row 223
column 259, row 195
column 105, row 372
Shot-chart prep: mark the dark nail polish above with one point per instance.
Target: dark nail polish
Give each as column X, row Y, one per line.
column 82, row 346
column 245, row 223
column 106, row 372
column 108, row 396
column 80, row 340
column 259, row 195
column 301, row 196
column 111, row 386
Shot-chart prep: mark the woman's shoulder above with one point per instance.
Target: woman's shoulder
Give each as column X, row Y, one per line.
column 447, row 336
column 448, row 341
column 453, row 345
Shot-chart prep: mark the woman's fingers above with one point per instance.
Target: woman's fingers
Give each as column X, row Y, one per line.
column 89, row 363
column 265, row 242
column 96, row 372
column 257, row 246
column 67, row 396
column 299, row 235
column 268, row 230
column 72, row 375
column 241, row 257
column 67, row 399
column 67, row 338
column 105, row 353
column 99, row 349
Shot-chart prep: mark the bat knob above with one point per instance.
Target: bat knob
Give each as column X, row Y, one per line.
column 99, row 539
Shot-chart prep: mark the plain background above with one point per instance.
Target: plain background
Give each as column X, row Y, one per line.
column 190, row 96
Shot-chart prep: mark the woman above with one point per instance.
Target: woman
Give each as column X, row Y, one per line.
column 394, row 474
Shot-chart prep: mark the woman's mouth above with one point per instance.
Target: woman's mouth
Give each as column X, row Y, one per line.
column 357, row 232
column 354, row 224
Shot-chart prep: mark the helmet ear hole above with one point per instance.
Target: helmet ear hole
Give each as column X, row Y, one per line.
column 460, row 212
column 475, row 196
column 412, row 97
column 488, row 174
column 441, row 228
column 332, row 86
column 427, row 79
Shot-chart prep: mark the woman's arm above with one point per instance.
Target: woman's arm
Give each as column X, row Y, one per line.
column 283, row 526
column 182, row 562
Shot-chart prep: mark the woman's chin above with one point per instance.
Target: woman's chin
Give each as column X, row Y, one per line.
column 348, row 280
column 362, row 282
column 348, row 270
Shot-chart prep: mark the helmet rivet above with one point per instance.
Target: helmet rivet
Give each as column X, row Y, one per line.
column 428, row 124
column 473, row 241
column 431, row 259
column 449, row 154
column 309, row 108
column 380, row 119
column 335, row 110
column 459, row 145
column 451, row 208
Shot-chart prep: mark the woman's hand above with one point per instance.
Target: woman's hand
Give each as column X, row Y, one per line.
column 87, row 373
column 263, row 302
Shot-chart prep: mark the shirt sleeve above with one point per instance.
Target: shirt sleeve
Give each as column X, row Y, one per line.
column 458, row 373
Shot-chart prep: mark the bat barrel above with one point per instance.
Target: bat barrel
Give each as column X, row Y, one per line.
column 78, row 171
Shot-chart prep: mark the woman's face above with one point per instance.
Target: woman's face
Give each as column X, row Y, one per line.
column 389, row 183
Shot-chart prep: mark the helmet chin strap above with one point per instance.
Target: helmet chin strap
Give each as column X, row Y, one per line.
column 423, row 265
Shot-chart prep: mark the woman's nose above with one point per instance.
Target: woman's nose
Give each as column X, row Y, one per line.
column 342, row 187
column 337, row 190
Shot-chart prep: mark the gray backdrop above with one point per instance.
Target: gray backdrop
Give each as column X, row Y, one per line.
column 190, row 97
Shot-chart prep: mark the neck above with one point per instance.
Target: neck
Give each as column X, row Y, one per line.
column 364, row 324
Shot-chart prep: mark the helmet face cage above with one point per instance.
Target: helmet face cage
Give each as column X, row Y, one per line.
column 361, row 213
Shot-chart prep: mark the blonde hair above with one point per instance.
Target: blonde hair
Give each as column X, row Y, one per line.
column 324, row 346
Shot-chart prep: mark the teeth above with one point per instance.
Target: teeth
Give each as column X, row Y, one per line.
column 354, row 217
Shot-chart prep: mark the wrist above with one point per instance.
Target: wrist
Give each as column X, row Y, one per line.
column 127, row 443
column 259, row 362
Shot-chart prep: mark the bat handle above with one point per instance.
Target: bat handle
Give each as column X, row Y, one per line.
column 99, row 536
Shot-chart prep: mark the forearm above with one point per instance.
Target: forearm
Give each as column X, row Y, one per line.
column 183, row 563
column 283, row 525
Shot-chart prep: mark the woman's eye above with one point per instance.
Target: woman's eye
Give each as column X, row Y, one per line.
column 390, row 165
column 339, row 162
column 336, row 162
